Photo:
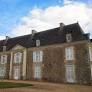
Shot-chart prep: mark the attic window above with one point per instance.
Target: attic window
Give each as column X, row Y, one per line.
column 37, row 43
column 68, row 37
column 4, row 48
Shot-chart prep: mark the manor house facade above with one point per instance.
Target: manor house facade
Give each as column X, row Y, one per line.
column 62, row 54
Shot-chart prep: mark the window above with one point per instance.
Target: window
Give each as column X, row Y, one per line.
column 68, row 37
column 37, row 71
column 4, row 48
column 3, row 59
column 91, row 70
column 37, row 42
column 90, row 56
column 90, row 53
column 18, row 57
column 69, row 53
column 37, row 56
column 70, row 73
column 2, row 71
column 16, row 72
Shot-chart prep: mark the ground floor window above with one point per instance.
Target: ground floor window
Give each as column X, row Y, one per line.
column 16, row 72
column 2, row 71
column 37, row 71
column 70, row 73
column 91, row 71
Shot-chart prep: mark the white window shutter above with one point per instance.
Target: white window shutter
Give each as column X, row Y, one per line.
column 20, row 57
column 34, row 56
column 37, row 56
column 66, row 53
column 1, row 59
column 91, row 70
column 90, row 53
column 14, row 58
column 70, row 53
column 41, row 56
column 5, row 58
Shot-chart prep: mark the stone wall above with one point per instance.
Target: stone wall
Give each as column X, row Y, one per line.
column 53, row 65
column 82, row 64
column 53, row 61
column 29, row 66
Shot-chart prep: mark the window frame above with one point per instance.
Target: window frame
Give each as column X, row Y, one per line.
column 37, row 42
column 90, row 53
column 69, row 53
column 70, row 69
column 37, row 56
column 4, row 71
column 3, row 59
column 68, row 37
column 18, row 59
column 16, row 72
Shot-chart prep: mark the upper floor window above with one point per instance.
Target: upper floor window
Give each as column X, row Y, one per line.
column 18, row 57
column 90, row 53
column 3, row 59
column 37, row 42
column 68, row 37
column 69, row 53
column 37, row 56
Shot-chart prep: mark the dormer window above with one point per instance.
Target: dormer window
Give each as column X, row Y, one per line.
column 37, row 43
column 68, row 37
column 4, row 48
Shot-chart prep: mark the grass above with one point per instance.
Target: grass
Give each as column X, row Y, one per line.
column 13, row 85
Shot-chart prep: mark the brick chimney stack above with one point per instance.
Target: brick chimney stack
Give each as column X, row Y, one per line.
column 61, row 26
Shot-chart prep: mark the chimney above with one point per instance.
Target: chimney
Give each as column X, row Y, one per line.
column 61, row 26
column 4, row 45
column 33, row 32
column 7, row 37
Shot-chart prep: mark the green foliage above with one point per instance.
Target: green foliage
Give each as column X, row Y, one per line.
column 13, row 85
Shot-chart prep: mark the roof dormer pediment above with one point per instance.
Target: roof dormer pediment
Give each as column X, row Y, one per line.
column 18, row 47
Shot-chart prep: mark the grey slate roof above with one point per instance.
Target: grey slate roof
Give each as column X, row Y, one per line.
column 48, row 37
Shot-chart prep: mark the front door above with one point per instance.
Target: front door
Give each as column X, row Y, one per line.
column 16, row 73
column 37, row 72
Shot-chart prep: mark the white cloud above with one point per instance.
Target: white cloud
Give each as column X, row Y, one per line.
column 2, row 37
column 68, row 1
column 42, row 19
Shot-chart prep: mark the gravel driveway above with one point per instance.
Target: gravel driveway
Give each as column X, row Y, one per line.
column 48, row 87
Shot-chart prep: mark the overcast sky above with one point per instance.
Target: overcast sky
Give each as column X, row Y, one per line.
column 19, row 17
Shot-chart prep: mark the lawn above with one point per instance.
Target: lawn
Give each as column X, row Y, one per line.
column 13, row 85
